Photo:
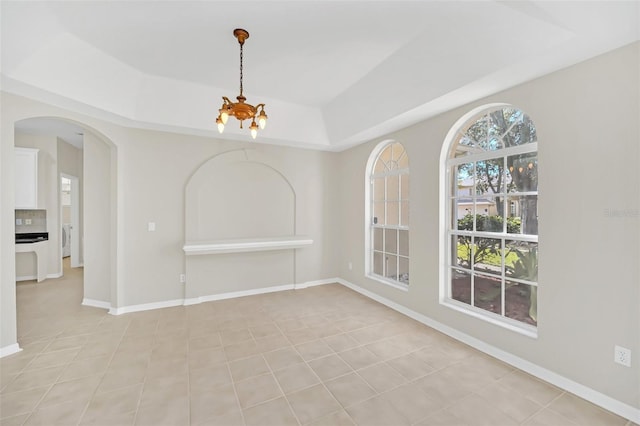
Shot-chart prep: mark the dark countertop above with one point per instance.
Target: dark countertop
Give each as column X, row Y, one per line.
column 31, row 237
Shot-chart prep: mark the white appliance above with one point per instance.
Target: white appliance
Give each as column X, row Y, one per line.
column 66, row 240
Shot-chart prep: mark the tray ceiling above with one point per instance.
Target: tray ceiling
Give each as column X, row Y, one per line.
column 332, row 73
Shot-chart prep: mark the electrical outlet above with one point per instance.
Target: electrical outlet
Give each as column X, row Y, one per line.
column 183, row 278
column 622, row 356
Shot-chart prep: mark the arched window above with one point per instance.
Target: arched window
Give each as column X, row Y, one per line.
column 490, row 247
column 387, row 217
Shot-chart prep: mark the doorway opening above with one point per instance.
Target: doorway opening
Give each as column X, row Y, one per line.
column 71, row 241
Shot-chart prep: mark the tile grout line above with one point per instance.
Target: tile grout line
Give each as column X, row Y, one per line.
column 66, row 365
column 144, row 381
column 284, row 395
column 320, row 382
column 189, row 370
column 95, row 391
column 233, row 382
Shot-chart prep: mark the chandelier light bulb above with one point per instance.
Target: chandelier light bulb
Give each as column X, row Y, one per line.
column 262, row 119
column 224, row 115
column 254, row 129
column 220, row 126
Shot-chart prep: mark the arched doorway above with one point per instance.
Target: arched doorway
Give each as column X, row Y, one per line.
column 66, row 148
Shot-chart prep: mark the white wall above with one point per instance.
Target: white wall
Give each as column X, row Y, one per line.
column 8, row 330
column 154, row 169
column 99, row 199
column 588, row 301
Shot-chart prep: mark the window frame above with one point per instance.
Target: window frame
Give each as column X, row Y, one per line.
column 370, row 227
column 448, row 164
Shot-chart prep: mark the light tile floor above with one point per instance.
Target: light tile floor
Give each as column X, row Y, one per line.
column 320, row 356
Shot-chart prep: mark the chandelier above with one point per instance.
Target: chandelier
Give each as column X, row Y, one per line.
column 241, row 110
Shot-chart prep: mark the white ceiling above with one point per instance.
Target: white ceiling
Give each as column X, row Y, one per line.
column 332, row 73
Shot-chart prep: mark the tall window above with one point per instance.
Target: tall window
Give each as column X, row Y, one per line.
column 491, row 230
column 388, row 215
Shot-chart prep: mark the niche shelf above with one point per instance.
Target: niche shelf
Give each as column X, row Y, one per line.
column 242, row 245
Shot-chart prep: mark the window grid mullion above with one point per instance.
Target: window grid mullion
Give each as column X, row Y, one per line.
column 398, row 255
column 384, row 253
column 386, row 215
column 398, row 227
column 472, row 265
column 394, row 172
column 509, row 151
column 504, row 202
column 372, row 256
column 399, row 209
column 503, row 273
column 486, row 234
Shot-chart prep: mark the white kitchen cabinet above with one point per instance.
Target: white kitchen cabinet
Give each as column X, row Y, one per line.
column 26, row 178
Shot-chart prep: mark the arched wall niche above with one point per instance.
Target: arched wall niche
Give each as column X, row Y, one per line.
column 238, row 195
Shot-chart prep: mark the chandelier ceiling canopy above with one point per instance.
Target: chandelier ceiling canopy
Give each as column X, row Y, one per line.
column 241, row 110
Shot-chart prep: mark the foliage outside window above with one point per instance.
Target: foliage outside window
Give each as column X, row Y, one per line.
column 492, row 226
column 389, row 215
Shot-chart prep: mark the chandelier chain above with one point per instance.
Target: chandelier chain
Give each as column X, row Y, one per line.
column 241, row 46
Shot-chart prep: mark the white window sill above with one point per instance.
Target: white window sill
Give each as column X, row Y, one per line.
column 391, row 283
column 509, row 324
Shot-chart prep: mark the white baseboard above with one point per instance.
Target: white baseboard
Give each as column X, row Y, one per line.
column 10, row 350
column 256, row 291
column 201, row 299
column 146, row 307
column 26, row 278
column 234, row 294
column 35, row 277
column 591, row 395
column 315, row 283
column 96, row 303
